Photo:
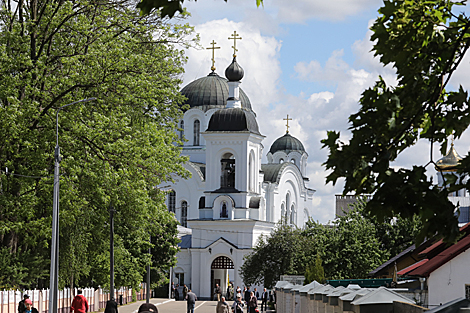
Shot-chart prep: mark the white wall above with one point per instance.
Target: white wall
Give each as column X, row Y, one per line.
column 448, row 281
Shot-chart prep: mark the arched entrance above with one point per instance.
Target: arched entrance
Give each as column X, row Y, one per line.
column 220, row 274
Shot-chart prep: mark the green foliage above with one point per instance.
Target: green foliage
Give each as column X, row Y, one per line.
column 272, row 256
column 315, row 271
column 351, row 247
column 425, row 41
column 115, row 150
column 167, row 8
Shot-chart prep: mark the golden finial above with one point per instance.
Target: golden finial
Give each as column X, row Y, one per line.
column 235, row 37
column 287, row 119
column 213, row 54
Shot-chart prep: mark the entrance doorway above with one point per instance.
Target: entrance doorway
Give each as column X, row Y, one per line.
column 220, row 268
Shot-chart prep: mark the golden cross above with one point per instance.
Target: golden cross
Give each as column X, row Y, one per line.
column 213, row 54
column 235, row 37
column 287, row 119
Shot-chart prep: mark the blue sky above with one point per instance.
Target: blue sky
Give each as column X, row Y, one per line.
column 306, row 58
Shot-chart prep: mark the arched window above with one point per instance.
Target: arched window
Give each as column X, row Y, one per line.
column 283, row 211
column 184, row 214
column 293, row 161
column 251, row 175
column 181, row 130
column 171, row 201
column 227, row 177
column 197, row 129
column 281, row 160
column 202, row 202
column 292, row 215
column 223, row 210
column 287, row 207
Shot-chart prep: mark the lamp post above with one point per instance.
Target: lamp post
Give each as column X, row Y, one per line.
column 54, row 274
column 148, row 273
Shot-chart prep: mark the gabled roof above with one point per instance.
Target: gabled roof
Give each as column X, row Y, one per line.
column 410, row 268
column 381, row 295
column 310, row 286
column 185, row 242
column 356, row 294
column 405, row 252
column 439, row 246
column 408, row 252
column 321, row 290
column 442, row 258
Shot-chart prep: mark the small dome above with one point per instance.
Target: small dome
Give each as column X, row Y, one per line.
column 233, row 120
column 234, row 72
column 287, row 143
column 211, row 92
column 449, row 161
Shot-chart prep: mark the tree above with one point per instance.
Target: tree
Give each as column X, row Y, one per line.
column 167, row 7
column 114, row 151
column 315, row 271
column 353, row 249
column 352, row 246
column 272, row 257
column 425, row 41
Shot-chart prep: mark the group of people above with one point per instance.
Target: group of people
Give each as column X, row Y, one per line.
column 79, row 305
column 26, row 305
column 175, row 294
column 249, row 299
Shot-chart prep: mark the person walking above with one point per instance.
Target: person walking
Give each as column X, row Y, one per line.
column 79, row 303
column 237, row 306
column 21, row 305
column 252, row 303
column 239, row 293
column 173, row 290
column 190, row 301
column 223, row 306
column 185, row 291
column 111, row 306
column 264, row 300
column 247, row 295
column 177, row 292
column 29, row 307
column 218, row 291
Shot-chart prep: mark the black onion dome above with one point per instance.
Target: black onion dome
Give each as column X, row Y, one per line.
column 287, row 143
column 211, row 92
column 234, row 71
column 233, row 120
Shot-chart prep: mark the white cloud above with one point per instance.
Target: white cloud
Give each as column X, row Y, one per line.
column 299, row 11
column 332, row 71
column 268, row 17
column 258, row 55
column 313, row 113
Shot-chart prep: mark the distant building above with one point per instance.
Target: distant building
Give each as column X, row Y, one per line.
column 345, row 203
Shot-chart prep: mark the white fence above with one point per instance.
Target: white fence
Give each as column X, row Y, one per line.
column 97, row 298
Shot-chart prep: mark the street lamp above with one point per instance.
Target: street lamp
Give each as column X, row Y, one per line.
column 54, row 275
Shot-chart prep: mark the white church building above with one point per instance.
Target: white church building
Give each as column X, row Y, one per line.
column 231, row 198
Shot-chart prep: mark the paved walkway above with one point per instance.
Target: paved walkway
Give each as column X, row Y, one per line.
column 172, row 306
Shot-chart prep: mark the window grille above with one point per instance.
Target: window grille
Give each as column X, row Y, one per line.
column 172, row 201
column 222, row 262
column 197, row 128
